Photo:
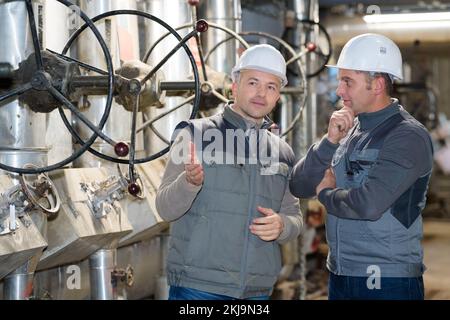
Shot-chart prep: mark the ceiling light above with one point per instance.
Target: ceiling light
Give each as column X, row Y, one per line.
column 407, row 17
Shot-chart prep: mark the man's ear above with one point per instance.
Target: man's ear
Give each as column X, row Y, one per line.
column 380, row 85
column 234, row 86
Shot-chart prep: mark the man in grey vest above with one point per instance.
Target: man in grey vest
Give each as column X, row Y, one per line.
column 229, row 199
column 371, row 172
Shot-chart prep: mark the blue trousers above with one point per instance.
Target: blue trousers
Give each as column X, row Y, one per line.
column 356, row 288
column 182, row 293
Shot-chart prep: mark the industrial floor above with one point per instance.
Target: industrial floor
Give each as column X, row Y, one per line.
column 436, row 246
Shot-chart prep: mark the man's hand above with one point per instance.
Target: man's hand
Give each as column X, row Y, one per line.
column 328, row 181
column 268, row 227
column 194, row 170
column 341, row 122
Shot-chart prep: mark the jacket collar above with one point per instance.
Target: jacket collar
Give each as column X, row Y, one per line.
column 240, row 122
column 369, row 120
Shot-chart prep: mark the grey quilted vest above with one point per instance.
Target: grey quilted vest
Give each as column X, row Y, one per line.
column 211, row 247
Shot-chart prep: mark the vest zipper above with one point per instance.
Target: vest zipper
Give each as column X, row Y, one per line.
column 247, row 231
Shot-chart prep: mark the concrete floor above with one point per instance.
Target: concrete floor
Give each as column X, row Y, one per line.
column 436, row 244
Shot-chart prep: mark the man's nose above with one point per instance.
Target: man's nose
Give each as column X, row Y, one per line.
column 340, row 90
column 262, row 91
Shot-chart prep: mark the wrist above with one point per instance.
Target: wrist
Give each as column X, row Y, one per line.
column 322, row 193
column 333, row 140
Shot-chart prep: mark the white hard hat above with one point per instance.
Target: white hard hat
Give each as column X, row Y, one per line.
column 262, row 57
column 371, row 52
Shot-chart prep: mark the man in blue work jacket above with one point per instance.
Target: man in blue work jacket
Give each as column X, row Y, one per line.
column 371, row 172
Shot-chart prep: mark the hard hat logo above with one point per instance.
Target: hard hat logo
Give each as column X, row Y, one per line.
column 373, row 53
column 262, row 57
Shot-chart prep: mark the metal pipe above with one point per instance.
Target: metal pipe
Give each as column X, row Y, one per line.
column 226, row 13
column 91, row 85
column 6, row 71
column 305, row 134
column 56, row 30
column 176, row 85
column 101, row 266
column 307, row 9
column 117, row 32
column 18, row 285
column 177, row 68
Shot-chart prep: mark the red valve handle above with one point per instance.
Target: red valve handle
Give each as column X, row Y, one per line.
column 121, row 149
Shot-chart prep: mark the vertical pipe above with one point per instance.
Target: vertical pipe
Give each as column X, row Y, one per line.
column 307, row 10
column 18, row 285
column 305, row 135
column 118, row 126
column 176, row 68
column 101, row 266
column 56, row 30
column 226, row 13
column 128, row 50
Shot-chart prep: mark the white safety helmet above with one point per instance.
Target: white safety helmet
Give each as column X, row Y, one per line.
column 371, row 52
column 262, row 57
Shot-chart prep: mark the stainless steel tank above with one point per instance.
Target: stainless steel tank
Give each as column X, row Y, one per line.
column 20, row 128
column 20, row 143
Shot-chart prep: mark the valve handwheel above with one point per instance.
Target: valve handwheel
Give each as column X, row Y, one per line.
column 122, row 149
column 42, row 81
column 41, row 192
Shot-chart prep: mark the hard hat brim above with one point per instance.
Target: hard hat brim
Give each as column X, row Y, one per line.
column 282, row 77
column 382, row 71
